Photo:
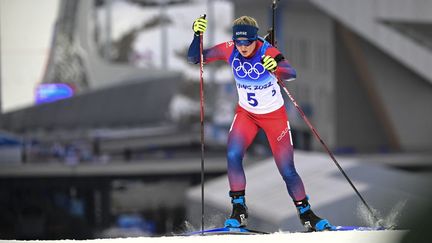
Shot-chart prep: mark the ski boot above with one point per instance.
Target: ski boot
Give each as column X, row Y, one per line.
column 239, row 213
column 308, row 218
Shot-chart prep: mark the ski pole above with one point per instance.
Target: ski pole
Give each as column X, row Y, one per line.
column 309, row 124
column 202, row 127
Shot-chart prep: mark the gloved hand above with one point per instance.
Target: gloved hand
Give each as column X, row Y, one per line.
column 269, row 63
column 199, row 25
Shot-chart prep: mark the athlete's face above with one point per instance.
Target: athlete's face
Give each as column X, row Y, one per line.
column 245, row 47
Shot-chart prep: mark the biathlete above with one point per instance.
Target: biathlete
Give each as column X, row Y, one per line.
column 256, row 64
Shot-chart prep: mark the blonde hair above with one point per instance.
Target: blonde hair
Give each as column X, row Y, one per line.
column 246, row 20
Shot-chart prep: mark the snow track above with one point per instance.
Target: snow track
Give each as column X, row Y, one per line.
column 334, row 237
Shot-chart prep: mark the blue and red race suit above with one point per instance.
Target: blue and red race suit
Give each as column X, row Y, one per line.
column 260, row 105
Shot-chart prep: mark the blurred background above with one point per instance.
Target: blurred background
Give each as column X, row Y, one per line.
column 99, row 123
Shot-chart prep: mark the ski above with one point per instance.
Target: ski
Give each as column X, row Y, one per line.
column 246, row 231
column 356, row 228
column 228, row 230
column 349, row 228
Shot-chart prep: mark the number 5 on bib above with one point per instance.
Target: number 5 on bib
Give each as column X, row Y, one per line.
column 251, row 99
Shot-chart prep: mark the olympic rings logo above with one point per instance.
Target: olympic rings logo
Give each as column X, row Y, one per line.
column 246, row 69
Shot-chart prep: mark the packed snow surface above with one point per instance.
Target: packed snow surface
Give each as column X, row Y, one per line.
column 318, row 237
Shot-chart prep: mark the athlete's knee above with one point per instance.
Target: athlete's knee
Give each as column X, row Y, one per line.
column 289, row 174
column 234, row 155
